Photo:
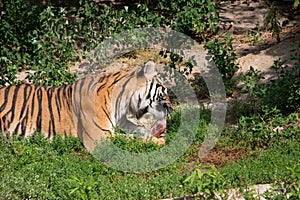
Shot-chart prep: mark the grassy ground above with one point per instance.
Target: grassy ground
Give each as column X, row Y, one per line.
column 35, row 168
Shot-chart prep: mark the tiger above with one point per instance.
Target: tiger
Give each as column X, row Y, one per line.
column 90, row 109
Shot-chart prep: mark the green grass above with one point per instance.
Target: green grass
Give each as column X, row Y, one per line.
column 263, row 166
column 38, row 169
column 62, row 169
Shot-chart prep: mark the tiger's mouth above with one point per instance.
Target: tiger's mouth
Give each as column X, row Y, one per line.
column 159, row 128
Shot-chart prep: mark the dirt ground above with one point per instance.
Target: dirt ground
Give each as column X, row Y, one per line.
column 240, row 17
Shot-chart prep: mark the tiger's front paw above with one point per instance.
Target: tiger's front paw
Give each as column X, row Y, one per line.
column 159, row 141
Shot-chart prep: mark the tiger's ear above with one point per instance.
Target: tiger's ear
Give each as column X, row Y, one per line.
column 150, row 70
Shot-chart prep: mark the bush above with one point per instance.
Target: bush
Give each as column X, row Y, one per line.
column 37, row 38
column 18, row 18
column 282, row 93
column 195, row 17
column 267, row 128
column 44, row 38
column 224, row 57
column 53, row 49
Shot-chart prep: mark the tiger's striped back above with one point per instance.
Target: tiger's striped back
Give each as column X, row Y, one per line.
column 27, row 108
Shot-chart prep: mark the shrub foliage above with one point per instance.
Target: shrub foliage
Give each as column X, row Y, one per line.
column 49, row 38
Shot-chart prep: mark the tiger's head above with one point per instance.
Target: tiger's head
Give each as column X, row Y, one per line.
column 152, row 97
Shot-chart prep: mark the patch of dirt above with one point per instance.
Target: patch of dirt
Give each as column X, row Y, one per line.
column 262, row 57
column 218, row 156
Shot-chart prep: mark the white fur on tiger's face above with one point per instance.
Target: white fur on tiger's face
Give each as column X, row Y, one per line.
column 90, row 109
